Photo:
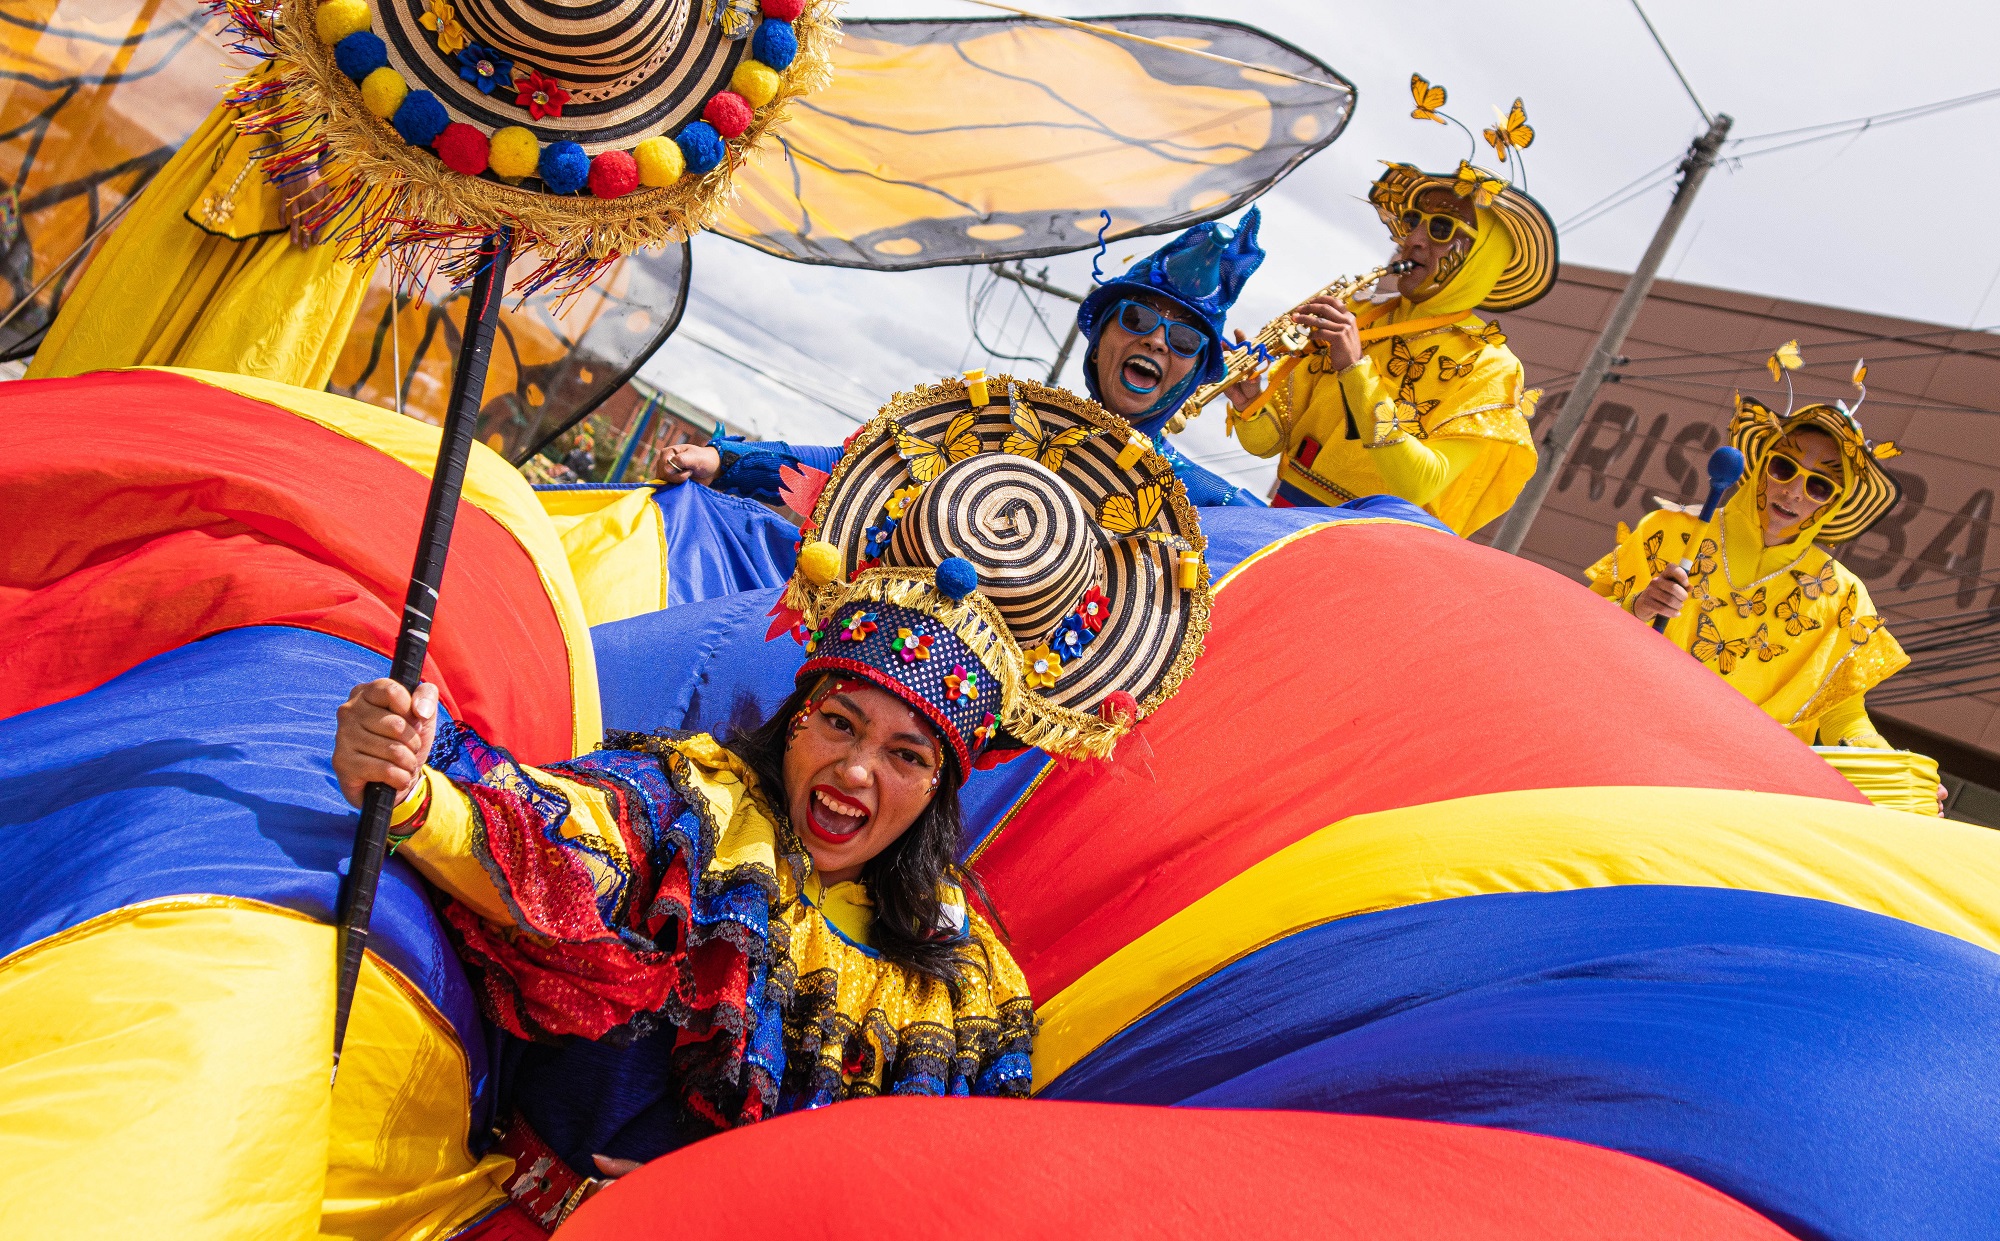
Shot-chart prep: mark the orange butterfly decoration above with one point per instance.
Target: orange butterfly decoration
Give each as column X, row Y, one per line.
column 1766, row 652
column 1429, row 99
column 1513, row 133
column 1816, row 585
column 1796, row 622
column 1449, row 370
column 1752, row 605
column 1710, row 647
column 1482, row 188
column 1405, row 365
column 1654, row 565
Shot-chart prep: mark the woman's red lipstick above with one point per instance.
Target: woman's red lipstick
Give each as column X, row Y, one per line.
column 827, row 822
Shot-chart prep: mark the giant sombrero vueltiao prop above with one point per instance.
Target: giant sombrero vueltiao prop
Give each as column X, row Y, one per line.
column 1092, row 598
column 590, row 129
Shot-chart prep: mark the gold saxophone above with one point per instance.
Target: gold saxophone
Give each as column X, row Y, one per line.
column 1283, row 342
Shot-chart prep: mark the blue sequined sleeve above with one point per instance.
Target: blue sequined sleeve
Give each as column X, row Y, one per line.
column 750, row 468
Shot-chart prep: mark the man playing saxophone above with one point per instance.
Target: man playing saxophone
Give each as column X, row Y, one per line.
column 1409, row 393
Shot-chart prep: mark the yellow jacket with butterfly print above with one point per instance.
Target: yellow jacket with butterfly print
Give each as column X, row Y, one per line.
column 1438, row 416
column 1790, row 627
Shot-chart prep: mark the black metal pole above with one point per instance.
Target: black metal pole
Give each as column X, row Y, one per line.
column 468, row 386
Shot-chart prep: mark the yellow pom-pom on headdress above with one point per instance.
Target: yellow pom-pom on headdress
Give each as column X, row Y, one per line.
column 336, row 19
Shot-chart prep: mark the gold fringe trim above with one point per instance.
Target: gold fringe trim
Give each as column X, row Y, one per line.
column 410, row 196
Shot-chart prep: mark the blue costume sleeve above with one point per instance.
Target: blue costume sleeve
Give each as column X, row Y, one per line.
column 750, row 469
column 1204, row 488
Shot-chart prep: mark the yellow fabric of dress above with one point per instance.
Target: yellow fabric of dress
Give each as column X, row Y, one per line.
column 846, row 990
column 1437, row 415
column 1789, row 627
column 202, row 273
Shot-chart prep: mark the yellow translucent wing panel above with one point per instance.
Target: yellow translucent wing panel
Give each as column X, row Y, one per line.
column 95, row 95
column 977, row 140
column 553, row 361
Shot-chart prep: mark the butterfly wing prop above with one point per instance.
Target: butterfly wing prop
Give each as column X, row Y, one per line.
column 912, row 156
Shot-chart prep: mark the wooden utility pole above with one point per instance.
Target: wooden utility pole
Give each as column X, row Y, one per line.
column 1553, row 447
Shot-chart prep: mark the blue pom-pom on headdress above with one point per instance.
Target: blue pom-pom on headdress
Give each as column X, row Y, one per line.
column 701, row 147
column 420, row 118
column 956, row 578
column 360, row 54
column 775, row 44
column 564, row 168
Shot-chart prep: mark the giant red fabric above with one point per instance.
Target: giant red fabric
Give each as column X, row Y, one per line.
column 1449, row 670
column 142, row 511
column 965, row 1169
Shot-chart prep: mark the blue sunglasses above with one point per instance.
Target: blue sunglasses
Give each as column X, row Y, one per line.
column 1140, row 320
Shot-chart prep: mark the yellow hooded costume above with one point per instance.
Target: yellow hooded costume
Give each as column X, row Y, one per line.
column 1789, row 626
column 1436, row 410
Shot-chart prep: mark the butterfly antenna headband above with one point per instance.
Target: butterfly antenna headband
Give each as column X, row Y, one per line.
column 1096, row 274
column 1430, row 97
column 1781, row 364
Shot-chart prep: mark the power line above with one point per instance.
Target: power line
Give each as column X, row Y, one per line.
column 1662, row 45
column 1822, row 132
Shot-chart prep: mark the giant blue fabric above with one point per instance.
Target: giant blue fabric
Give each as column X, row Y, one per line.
column 1835, row 1069
column 207, row 770
column 721, row 544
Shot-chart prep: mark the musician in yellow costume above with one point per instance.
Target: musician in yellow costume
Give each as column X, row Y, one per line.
column 213, row 269
column 1773, row 614
column 1415, row 395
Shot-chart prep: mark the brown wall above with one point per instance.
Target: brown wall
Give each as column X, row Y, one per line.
column 1934, row 391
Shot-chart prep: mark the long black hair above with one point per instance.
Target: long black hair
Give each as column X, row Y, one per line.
column 902, row 880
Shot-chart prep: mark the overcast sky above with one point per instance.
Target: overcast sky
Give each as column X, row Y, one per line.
column 1893, row 220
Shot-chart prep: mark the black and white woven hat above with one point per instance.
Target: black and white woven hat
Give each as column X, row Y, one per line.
column 1088, row 555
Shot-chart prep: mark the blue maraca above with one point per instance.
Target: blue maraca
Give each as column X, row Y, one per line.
column 1725, row 470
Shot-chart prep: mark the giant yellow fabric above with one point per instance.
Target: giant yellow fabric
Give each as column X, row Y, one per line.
column 1438, row 416
column 1790, row 627
column 1931, row 872
column 163, row 1074
column 494, row 487
column 616, row 542
column 201, row 273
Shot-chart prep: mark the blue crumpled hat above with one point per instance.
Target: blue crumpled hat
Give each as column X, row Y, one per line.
column 1203, row 269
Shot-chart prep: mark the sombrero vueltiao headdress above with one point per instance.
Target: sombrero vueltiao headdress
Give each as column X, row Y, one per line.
column 1025, row 570
column 1531, row 272
column 589, row 127
column 1871, row 490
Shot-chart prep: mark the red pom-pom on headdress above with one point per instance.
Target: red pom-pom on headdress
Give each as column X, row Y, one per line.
column 784, row 10
column 613, row 174
column 729, row 112
column 463, row 148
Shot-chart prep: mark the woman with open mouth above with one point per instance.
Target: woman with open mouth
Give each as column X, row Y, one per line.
column 677, row 935
column 1777, row 617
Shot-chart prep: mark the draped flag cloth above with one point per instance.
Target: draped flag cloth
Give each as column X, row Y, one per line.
column 1430, row 834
